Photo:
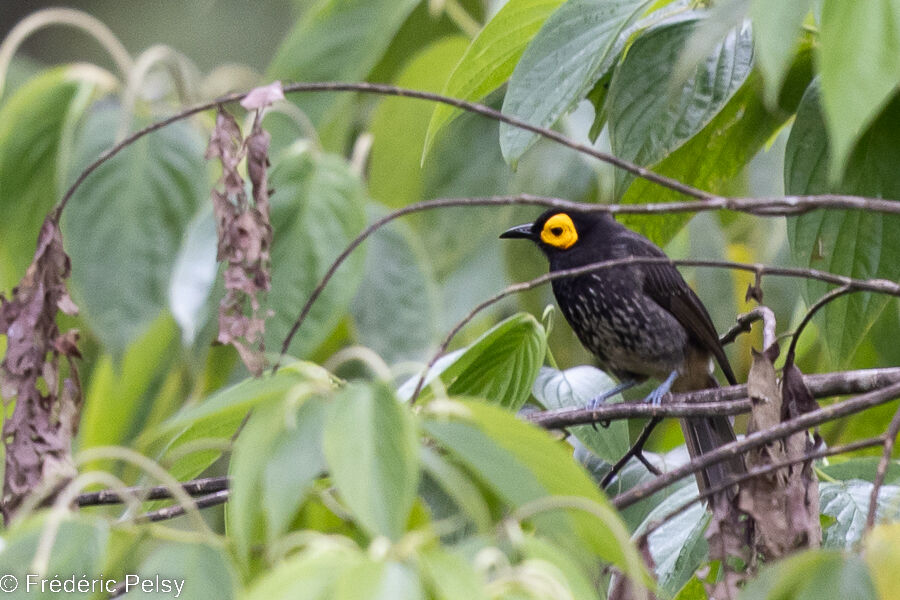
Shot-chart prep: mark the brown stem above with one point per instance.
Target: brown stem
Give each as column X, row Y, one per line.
column 890, row 438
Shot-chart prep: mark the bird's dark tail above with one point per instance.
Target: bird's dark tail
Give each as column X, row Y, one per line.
column 704, row 434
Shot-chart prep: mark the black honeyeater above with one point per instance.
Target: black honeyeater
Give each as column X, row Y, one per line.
column 640, row 320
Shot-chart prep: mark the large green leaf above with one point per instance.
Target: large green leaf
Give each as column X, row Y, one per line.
column 813, row 575
column 188, row 570
column 859, row 60
column 124, row 225
column 371, row 448
column 491, row 57
column 395, row 309
column 647, row 120
column 855, row 243
column 776, row 25
column 276, row 458
column 848, row 503
column 116, row 399
column 79, row 550
column 678, row 547
column 32, row 125
column 218, row 417
column 710, row 160
column 574, row 388
column 308, row 576
column 337, row 40
column 450, row 576
column 522, row 464
column 500, row 366
column 395, row 171
column 317, row 208
column 561, row 64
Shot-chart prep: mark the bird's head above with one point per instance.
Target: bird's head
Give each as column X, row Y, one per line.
column 562, row 232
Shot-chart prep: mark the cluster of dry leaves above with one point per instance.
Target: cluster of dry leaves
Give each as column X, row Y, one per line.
column 244, row 229
column 38, row 434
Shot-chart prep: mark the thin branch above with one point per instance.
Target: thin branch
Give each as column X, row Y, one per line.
column 754, row 440
column 176, row 510
column 763, row 470
column 196, row 487
column 821, row 302
column 890, row 438
column 637, row 449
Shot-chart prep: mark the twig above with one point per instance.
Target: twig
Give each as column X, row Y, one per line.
column 196, row 487
column 754, row 440
column 176, row 510
column 890, row 438
column 762, row 470
column 637, row 449
column 825, row 299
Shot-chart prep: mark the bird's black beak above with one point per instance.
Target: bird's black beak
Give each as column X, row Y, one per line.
column 519, row 231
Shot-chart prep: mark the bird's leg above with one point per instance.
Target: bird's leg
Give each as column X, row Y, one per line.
column 598, row 400
column 655, row 397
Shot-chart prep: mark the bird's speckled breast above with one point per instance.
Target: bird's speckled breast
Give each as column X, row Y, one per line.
column 631, row 335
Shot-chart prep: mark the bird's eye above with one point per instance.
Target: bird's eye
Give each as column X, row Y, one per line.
column 559, row 231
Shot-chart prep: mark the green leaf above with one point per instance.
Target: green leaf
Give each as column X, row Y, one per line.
column 710, row 160
column 203, row 573
column 32, row 125
column 848, row 503
column 124, row 225
column 337, row 40
column 456, row 484
column 308, row 576
column 561, row 65
column 395, row 172
column 395, row 310
column 678, row 547
column 568, row 572
column 491, row 57
column 79, row 550
column 813, row 575
column 574, row 388
column 523, row 464
column 500, row 366
column 318, row 207
column 646, row 122
column 371, row 448
column 858, row 244
column 217, row 418
column 859, row 60
column 115, row 402
column 372, row 580
column 193, row 276
column 776, row 24
column 449, row 576
column 861, row 468
column 276, row 458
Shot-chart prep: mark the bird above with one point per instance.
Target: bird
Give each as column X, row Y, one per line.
column 640, row 320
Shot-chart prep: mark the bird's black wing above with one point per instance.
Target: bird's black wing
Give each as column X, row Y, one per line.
column 665, row 285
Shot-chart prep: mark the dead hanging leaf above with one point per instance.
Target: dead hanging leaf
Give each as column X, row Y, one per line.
column 784, row 504
column 38, row 435
column 245, row 237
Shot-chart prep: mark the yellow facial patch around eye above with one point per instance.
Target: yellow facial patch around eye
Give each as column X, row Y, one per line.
column 559, row 231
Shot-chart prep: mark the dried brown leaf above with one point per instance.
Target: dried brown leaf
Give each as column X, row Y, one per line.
column 38, row 435
column 245, row 237
column 784, row 504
